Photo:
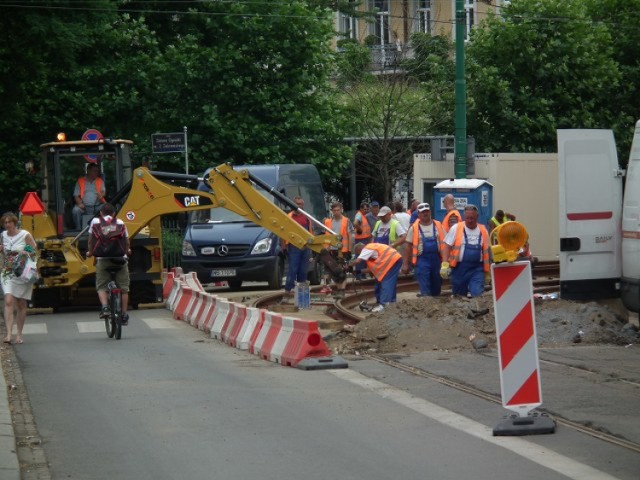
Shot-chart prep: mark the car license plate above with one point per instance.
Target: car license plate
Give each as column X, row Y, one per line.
column 225, row 272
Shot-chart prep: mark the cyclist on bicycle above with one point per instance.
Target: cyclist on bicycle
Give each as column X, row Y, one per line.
column 107, row 217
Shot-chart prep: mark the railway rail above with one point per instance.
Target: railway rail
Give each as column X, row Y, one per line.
column 545, row 281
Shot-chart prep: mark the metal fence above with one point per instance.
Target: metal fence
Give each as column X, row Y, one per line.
column 172, row 234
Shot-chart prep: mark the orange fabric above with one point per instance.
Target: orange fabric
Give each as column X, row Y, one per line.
column 445, row 220
column 387, row 258
column 82, row 181
column 416, row 238
column 454, row 256
column 344, row 231
column 364, row 225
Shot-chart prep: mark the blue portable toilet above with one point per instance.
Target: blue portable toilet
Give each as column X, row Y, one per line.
column 465, row 191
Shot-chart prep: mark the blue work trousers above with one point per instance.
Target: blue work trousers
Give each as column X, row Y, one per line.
column 427, row 274
column 467, row 277
column 385, row 290
column 298, row 266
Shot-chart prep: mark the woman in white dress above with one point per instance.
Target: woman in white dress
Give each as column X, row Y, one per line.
column 15, row 242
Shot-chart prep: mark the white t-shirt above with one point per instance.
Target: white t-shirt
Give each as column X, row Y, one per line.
column 474, row 236
column 404, row 218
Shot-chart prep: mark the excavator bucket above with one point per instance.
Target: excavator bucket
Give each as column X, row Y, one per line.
column 335, row 267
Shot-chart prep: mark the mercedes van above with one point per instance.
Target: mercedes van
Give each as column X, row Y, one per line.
column 220, row 245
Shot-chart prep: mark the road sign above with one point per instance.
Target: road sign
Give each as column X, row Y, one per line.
column 518, row 350
column 31, row 204
column 92, row 134
column 168, row 142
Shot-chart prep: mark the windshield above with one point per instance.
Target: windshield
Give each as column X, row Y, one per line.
column 222, row 215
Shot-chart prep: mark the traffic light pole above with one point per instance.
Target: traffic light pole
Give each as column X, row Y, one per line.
column 460, row 151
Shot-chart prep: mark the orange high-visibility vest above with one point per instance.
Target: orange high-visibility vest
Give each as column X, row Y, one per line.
column 445, row 221
column 82, row 181
column 310, row 227
column 387, row 258
column 454, row 256
column 416, row 238
column 364, row 225
column 344, row 231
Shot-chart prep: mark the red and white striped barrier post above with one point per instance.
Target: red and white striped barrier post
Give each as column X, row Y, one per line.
column 518, row 350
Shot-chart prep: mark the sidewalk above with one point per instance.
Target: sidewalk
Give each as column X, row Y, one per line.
column 9, row 466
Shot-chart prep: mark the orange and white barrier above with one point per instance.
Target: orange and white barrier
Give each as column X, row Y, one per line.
column 517, row 349
column 285, row 340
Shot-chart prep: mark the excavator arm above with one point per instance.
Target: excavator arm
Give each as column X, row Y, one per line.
column 234, row 190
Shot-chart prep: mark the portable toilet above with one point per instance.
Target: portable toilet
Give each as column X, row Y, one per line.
column 465, row 191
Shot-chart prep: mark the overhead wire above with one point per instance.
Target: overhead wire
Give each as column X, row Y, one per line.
column 123, row 8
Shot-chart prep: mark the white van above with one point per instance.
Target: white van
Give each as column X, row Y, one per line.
column 590, row 207
column 630, row 288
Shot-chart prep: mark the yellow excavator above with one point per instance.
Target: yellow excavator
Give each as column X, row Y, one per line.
column 141, row 197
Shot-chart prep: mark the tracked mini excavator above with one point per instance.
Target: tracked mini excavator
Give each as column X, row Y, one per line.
column 141, row 197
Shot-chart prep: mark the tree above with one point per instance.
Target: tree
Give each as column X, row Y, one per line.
column 409, row 99
column 247, row 92
column 621, row 18
column 544, row 65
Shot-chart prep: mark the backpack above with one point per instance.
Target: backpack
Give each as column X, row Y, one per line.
column 109, row 239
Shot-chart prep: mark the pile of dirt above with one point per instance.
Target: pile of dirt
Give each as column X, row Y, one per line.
column 454, row 323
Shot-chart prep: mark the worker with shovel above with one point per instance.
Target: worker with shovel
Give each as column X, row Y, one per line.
column 384, row 263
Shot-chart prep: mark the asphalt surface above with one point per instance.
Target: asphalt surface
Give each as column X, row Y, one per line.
column 589, row 385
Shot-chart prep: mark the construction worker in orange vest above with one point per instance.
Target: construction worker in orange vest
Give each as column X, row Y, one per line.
column 88, row 195
column 298, row 257
column 425, row 240
column 465, row 255
column 452, row 216
column 384, row 263
column 361, row 225
column 342, row 226
column 363, row 233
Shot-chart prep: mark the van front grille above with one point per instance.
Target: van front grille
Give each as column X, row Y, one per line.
column 224, row 250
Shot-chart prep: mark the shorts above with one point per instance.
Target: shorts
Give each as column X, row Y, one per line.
column 103, row 277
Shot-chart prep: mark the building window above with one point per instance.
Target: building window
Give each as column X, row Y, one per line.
column 381, row 26
column 424, row 16
column 347, row 26
column 470, row 13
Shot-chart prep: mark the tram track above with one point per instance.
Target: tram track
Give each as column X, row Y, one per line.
column 592, row 431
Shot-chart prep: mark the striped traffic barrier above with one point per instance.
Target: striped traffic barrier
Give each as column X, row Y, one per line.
column 191, row 279
column 232, row 330
column 263, row 344
column 183, row 303
column 221, row 317
column 518, row 350
column 250, row 329
column 195, row 307
column 202, row 314
column 174, row 296
column 167, row 284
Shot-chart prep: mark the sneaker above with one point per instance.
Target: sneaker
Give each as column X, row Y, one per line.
column 420, row 295
column 125, row 319
column 378, row 308
column 105, row 312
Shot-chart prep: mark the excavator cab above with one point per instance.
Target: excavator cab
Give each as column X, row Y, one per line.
column 64, row 162
column 67, row 277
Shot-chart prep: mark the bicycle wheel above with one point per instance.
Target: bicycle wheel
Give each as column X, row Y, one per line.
column 109, row 324
column 116, row 312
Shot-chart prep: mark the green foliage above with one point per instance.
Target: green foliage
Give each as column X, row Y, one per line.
column 413, row 99
column 545, row 65
column 247, row 93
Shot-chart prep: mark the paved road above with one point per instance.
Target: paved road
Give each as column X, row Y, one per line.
column 166, row 402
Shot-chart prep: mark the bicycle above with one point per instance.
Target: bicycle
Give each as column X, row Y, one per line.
column 113, row 322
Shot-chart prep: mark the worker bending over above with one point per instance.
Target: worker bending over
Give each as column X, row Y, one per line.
column 384, row 263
